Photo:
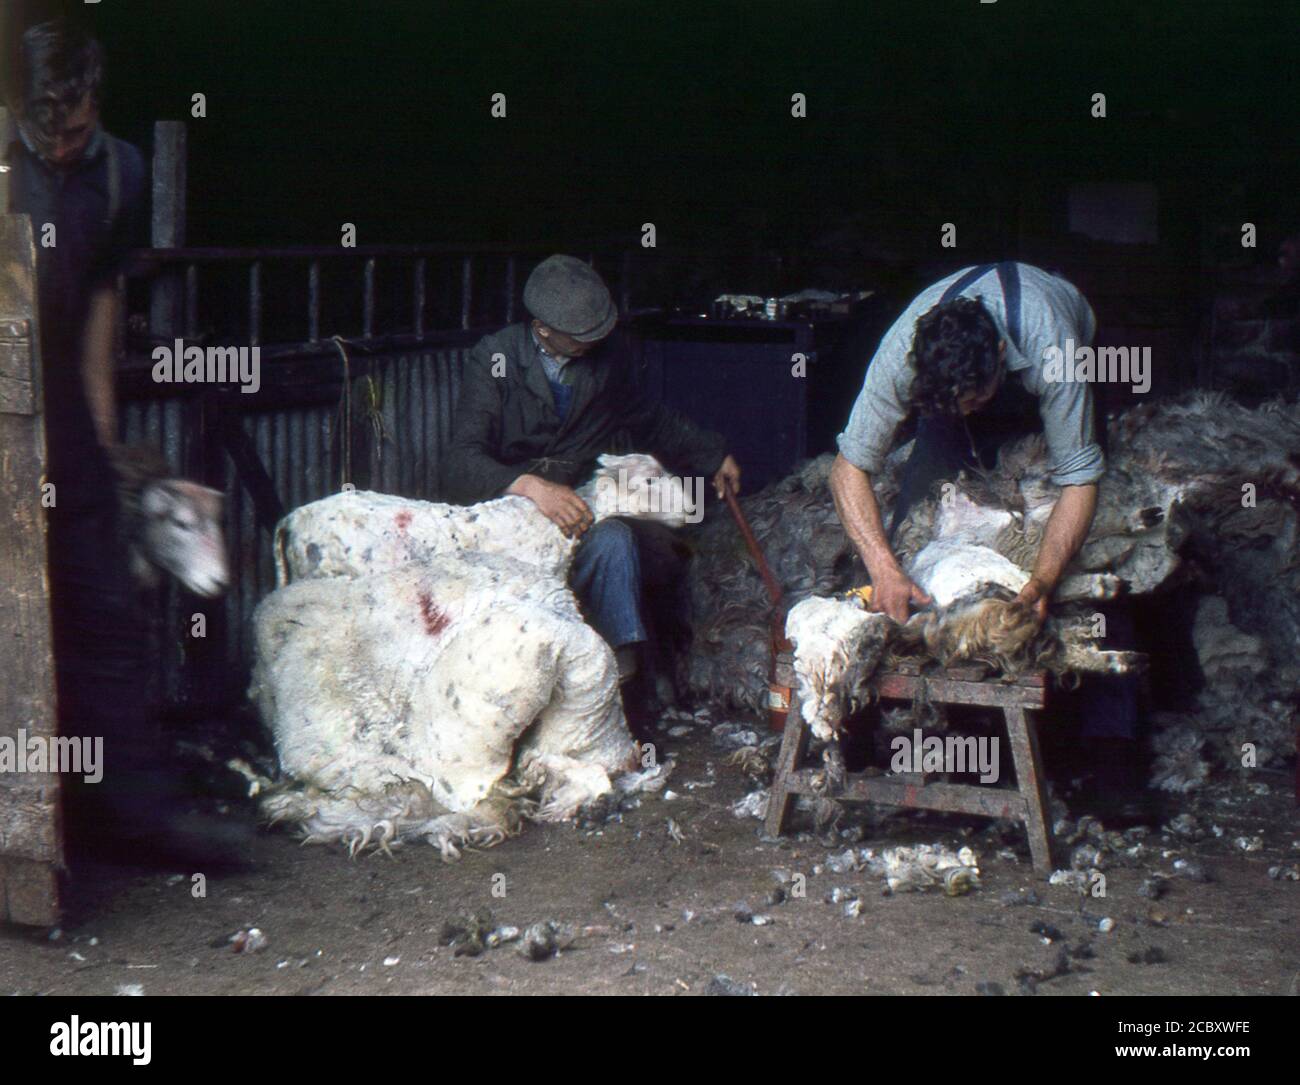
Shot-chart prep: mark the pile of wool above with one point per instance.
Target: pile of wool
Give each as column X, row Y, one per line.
column 1246, row 706
column 425, row 671
column 908, row 868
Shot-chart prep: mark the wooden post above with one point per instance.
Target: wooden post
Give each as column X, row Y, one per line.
column 6, row 135
column 167, row 298
column 30, row 846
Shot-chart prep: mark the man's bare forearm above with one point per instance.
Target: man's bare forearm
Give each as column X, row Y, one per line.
column 859, row 512
column 1066, row 531
column 97, row 363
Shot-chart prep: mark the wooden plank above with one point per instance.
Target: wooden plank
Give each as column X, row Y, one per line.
column 994, row 802
column 793, row 745
column 15, row 356
column 6, row 137
column 29, row 892
column 1029, row 766
column 30, row 844
column 16, row 397
column 966, row 673
column 989, row 693
column 29, row 810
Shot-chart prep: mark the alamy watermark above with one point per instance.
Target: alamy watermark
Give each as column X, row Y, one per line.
column 949, row 753
column 78, row 756
column 179, row 364
column 632, row 493
column 1099, row 365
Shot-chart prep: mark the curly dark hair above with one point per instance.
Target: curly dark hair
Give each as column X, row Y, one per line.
column 954, row 352
column 58, row 65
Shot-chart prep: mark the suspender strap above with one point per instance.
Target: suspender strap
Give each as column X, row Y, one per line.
column 1009, row 277
column 965, row 281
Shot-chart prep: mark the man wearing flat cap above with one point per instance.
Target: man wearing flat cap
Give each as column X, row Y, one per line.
column 540, row 401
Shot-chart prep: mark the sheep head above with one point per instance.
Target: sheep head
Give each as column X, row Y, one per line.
column 638, row 486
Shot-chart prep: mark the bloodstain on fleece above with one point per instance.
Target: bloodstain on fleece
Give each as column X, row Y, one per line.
column 435, row 619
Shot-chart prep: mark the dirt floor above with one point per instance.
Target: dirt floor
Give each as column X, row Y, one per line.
column 703, row 914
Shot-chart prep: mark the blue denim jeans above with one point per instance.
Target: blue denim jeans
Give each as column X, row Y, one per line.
column 606, row 577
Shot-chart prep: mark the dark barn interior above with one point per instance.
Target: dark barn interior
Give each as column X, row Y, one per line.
column 765, row 189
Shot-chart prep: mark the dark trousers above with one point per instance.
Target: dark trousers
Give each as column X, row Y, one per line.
column 99, row 638
column 1108, row 704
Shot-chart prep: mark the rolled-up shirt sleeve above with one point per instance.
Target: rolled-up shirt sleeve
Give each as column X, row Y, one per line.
column 881, row 405
column 1067, row 411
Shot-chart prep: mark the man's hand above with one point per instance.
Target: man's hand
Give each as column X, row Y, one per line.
column 893, row 591
column 1066, row 530
column 558, row 503
column 1035, row 596
column 728, row 474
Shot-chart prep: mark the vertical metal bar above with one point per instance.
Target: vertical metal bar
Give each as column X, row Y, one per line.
column 328, row 457
column 255, row 303
column 314, row 486
column 389, row 467
column 167, row 228
column 368, row 300
column 510, row 290
column 313, row 302
column 421, row 273
column 249, row 573
column 404, row 431
column 173, row 423
column 234, row 612
column 466, row 291
column 191, row 301
column 421, row 429
column 447, row 360
column 279, row 467
column 294, row 474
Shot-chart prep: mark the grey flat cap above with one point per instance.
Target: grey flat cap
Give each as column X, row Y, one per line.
column 568, row 295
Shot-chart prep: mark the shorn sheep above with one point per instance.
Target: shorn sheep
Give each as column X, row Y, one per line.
column 425, row 672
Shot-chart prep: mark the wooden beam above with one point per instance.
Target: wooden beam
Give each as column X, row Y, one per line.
column 994, row 802
column 30, row 844
column 6, row 137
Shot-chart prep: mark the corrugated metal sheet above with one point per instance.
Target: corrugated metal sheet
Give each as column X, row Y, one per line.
column 300, row 447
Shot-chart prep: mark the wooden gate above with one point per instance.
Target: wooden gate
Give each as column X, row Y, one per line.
column 30, row 842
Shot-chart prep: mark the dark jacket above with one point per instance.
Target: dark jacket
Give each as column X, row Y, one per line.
column 99, row 211
column 507, row 425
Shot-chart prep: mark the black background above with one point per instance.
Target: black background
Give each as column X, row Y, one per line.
column 619, row 113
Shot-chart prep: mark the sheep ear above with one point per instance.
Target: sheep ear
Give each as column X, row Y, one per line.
column 208, row 501
column 158, row 498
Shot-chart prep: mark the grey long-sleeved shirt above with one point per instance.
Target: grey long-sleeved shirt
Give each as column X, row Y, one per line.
column 1052, row 311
